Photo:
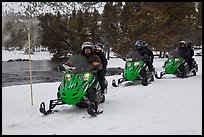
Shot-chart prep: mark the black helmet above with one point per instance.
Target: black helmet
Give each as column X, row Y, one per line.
column 139, row 43
column 189, row 44
column 99, row 47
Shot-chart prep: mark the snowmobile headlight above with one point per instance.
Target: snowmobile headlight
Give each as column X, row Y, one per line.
column 86, row 76
column 68, row 77
column 137, row 63
column 176, row 59
column 128, row 64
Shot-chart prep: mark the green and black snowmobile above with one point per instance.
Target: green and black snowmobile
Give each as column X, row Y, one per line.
column 177, row 66
column 135, row 69
column 79, row 87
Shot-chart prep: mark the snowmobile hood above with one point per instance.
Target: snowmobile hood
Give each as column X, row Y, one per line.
column 173, row 64
column 132, row 69
column 74, row 86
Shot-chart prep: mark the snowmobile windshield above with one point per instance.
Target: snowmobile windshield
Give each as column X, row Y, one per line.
column 79, row 64
column 134, row 55
column 174, row 53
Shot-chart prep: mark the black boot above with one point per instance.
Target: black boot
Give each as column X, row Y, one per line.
column 183, row 75
column 103, row 86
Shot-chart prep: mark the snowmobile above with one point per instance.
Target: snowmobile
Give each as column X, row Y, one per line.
column 79, row 87
column 177, row 66
column 135, row 69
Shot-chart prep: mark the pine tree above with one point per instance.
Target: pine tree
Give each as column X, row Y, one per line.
column 109, row 26
column 53, row 30
column 197, row 27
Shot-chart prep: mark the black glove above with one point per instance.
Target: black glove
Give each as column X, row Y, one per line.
column 61, row 67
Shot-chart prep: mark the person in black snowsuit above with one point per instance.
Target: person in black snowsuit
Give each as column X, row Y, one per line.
column 184, row 52
column 150, row 58
column 141, row 46
column 98, row 50
column 191, row 54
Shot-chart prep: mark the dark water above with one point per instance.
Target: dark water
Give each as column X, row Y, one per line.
column 18, row 73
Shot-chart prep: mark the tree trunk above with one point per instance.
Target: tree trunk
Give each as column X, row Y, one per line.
column 160, row 54
column 164, row 55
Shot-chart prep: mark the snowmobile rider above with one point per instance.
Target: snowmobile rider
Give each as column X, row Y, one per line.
column 184, row 52
column 191, row 54
column 98, row 50
column 150, row 58
column 88, row 51
column 144, row 52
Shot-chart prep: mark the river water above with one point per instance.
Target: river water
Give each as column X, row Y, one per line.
column 18, row 72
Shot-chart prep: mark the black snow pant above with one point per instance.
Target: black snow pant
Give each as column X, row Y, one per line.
column 190, row 63
column 101, row 78
column 150, row 66
column 183, row 69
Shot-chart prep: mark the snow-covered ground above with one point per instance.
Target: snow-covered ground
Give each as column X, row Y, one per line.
column 170, row 106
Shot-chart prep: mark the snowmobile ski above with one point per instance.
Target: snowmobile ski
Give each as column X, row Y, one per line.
column 156, row 75
column 114, row 83
column 52, row 104
column 162, row 74
column 121, row 80
column 42, row 109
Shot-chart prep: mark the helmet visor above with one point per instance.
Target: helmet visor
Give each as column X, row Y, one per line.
column 139, row 44
column 87, row 47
